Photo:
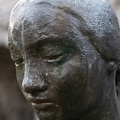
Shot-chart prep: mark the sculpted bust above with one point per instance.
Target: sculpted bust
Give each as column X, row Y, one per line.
column 67, row 54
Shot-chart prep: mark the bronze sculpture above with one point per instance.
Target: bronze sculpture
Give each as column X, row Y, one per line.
column 66, row 54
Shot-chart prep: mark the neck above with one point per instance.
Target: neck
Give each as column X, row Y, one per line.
column 107, row 109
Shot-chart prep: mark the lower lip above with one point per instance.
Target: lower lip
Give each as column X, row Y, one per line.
column 44, row 106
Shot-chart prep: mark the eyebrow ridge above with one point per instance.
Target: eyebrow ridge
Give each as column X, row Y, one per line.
column 46, row 40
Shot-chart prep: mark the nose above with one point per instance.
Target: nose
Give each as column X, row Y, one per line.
column 34, row 85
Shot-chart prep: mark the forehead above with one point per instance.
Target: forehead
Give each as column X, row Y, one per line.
column 46, row 22
column 31, row 22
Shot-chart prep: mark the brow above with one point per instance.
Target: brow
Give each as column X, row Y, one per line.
column 51, row 40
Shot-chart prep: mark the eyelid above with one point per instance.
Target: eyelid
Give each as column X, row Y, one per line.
column 58, row 58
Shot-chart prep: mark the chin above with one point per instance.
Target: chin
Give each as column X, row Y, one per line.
column 49, row 115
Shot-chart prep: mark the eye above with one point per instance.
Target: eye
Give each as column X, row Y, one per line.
column 54, row 58
column 18, row 62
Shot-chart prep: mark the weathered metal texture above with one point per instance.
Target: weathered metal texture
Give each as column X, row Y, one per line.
column 66, row 55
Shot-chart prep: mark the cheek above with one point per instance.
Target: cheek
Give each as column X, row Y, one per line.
column 69, row 78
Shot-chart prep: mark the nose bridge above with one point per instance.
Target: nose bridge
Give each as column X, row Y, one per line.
column 33, row 79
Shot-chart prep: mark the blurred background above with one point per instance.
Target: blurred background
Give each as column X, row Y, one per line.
column 13, row 105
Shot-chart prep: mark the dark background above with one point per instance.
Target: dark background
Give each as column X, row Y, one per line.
column 13, row 105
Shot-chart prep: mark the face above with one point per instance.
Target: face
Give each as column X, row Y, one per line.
column 59, row 71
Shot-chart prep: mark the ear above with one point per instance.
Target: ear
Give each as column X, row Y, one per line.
column 112, row 66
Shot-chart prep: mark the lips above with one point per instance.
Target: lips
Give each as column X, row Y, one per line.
column 43, row 104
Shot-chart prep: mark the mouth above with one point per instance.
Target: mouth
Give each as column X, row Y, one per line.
column 43, row 104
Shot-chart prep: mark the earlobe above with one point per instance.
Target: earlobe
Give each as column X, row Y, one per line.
column 112, row 66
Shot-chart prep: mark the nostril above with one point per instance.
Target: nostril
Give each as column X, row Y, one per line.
column 37, row 91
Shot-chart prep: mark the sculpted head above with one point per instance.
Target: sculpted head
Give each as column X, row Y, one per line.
column 66, row 54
